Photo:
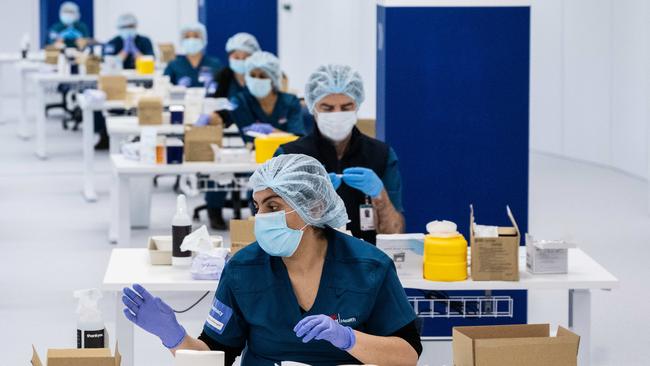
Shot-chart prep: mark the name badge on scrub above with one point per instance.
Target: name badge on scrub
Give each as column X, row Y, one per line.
column 367, row 216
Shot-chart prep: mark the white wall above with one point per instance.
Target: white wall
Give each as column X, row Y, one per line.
column 589, row 81
column 17, row 18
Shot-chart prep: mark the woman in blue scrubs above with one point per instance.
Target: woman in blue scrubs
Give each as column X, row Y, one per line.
column 69, row 31
column 194, row 68
column 303, row 291
column 262, row 107
column 128, row 44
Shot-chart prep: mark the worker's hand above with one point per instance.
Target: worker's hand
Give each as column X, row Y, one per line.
column 336, row 180
column 185, row 81
column 258, row 127
column 323, row 327
column 363, row 179
column 129, row 46
column 203, row 120
column 153, row 315
column 215, row 119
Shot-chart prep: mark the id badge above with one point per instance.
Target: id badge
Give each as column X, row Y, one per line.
column 367, row 217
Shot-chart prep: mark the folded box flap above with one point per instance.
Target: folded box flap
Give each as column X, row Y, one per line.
column 118, row 356
column 462, row 348
column 506, row 331
column 570, row 336
column 36, row 361
column 531, row 351
column 512, row 218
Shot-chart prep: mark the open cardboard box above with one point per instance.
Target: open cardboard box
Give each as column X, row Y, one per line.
column 198, row 141
column 79, row 357
column 514, row 345
column 242, row 233
column 495, row 259
column 113, row 85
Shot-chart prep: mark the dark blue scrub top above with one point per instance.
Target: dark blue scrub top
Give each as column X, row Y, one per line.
column 234, row 88
column 70, row 34
column 181, row 66
column 286, row 115
column 115, row 46
column 255, row 304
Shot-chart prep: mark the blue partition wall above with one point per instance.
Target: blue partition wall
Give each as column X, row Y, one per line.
column 453, row 101
column 223, row 18
column 49, row 14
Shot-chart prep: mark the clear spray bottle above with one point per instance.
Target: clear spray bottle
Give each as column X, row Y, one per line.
column 181, row 227
column 91, row 331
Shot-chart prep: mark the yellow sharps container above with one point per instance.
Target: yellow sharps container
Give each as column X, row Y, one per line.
column 145, row 65
column 265, row 146
column 445, row 253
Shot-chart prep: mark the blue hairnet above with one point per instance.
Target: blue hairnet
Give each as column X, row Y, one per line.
column 127, row 20
column 267, row 62
column 195, row 27
column 69, row 7
column 242, row 42
column 333, row 79
column 303, row 183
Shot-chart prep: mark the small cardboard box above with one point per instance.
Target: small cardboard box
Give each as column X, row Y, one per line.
column 79, row 357
column 150, row 110
column 242, row 233
column 514, row 345
column 367, row 127
column 497, row 258
column 93, row 64
column 198, row 141
column 52, row 55
column 406, row 251
column 167, row 52
column 114, row 86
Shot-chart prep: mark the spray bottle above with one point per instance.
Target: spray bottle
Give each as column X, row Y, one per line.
column 90, row 323
column 181, row 227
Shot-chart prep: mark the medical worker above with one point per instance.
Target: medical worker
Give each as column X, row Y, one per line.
column 364, row 170
column 303, row 291
column 128, row 44
column 262, row 107
column 69, row 31
column 193, row 68
column 230, row 82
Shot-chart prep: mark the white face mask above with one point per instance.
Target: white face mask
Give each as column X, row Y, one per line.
column 258, row 87
column 238, row 66
column 336, row 126
column 192, row 46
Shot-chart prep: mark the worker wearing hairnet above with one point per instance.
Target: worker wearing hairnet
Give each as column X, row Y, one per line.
column 364, row 170
column 230, row 82
column 128, row 44
column 69, row 31
column 303, row 291
column 193, row 68
column 262, row 107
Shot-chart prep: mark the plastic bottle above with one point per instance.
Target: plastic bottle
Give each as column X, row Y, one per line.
column 181, row 227
column 91, row 331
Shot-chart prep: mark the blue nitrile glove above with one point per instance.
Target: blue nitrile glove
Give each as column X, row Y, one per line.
column 153, row 315
column 363, row 179
column 185, row 81
column 264, row 128
column 70, row 33
column 129, row 46
column 203, row 120
column 323, row 327
column 336, row 180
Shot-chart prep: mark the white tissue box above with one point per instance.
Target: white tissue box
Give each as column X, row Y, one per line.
column 547, row 257
column 186, row 357
column 406, row 251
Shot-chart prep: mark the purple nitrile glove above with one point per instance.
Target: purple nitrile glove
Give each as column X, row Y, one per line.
column 363, row 179
column 203, row 120
column 129, row 46
column 153, row 315
column 264, row 128
column 185, row 81
column 336, row 180
column 323, row 327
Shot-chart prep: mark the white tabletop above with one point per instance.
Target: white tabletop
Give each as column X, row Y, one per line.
column 128, row 125
column 128, row 266
column 123, row 165
column 54, row 77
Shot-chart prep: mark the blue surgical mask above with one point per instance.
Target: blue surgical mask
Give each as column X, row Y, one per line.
column 67, row 18
column 258, row 87
column 192, row 46
column 127, row 33
column 274, row 236
column 238, row 66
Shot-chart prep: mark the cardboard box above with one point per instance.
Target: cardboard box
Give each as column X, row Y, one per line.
column 198, row 141
column 167, row 52
column 52, row 55
column 242, row 233
column 406, row 251
column 497, row 258
column 93, row 64
column 514, row 345
column 114, row 86
column 78, row 357
column 547, row 256
column 367, row 127
column 150, row 110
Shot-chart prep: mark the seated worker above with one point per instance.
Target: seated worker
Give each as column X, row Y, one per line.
column 194, row 68
column 262, row 107
column 364, row 170
column 128, row 44
column 303, row 291
column 69, row 31
column 230, row 82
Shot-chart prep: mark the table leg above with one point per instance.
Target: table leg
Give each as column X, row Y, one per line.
column 124, row 333
column 580, row 322
column 141, row 201
column 41, row 118
column 120, row 227
column 114, row 144
column 23, row 131
column 88, row 117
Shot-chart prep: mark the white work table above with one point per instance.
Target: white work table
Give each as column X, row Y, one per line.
column 585, row 274
column 130, row 172
column 119, row 127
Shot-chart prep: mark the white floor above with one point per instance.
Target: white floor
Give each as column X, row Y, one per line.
column 54, row 242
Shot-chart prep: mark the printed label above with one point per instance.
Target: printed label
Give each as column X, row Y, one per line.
column 219, row 317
